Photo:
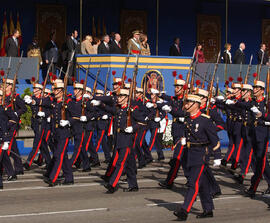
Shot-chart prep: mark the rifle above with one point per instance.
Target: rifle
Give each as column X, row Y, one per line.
column 260, row 67
column 12, row 98
column 212, row 85
column 5, row 82
column 268, row 91
column 217, row 87
column 204, row 78
column 194, row 66
column 185, row 93
column 64, row 104
column 248, row 69
column 131, row 91
column 84, row 89
column 44, row 85
column 106, row 81
column 144, row 91
column 95, row 83
column 125, row 68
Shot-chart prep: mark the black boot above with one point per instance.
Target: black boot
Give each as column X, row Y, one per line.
column 181, row 215
column 205, row 214
column 249, row 193
column 165, row 185
column 110, row 188
column 131, row 189
column 26, row 166
column 224, row 162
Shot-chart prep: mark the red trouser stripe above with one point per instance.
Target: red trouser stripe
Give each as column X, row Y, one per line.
column 109, row 173
column 144, row 132
column 229, row 157
column 88, row 141
column 264, row 160
column 196, row 189
column 79, row 149
column 48, row 135
column 238, row 153
column 39, row 143
column 99, row 141
column 121, row 168
column 110, row 127
column 61, row 162
column 176, row 166
column 11, row 141
column 154, row 139
column 1, row 150
column 249, row 161
column 135, row 138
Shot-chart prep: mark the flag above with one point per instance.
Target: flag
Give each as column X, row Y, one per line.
column 11, row 25
column 94, row 31
column 18, row 27
column 104, row 27
column 4, row 36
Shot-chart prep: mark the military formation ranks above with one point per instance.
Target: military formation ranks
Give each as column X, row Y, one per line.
column 120, row 120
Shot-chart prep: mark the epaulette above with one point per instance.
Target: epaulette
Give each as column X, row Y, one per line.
column 204, row 115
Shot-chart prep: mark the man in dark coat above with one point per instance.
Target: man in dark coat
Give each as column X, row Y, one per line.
column 12, row 44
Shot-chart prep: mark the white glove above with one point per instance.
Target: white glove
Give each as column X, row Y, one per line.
column 217, row 162
column 166, row 108
column 146, row 118
column 49, row 119
column 229, row 102
column 41, row 63
column 27, row 99
column 95, row 102
column 267, row 123
column 5, row 146
column 183, row 141
column 83, row 118
column 41, row 114
column 108, row 93
column 105, row 117
column 86, row 96
column 16, row 114
column 212, row 100
column 181, row 119
column 154, row 91
column 255, row 110
column 92, row 118
column 157, row 119
column 129, row 129
column 149, row 105
column 163, row 92
column 64, row 123
column 220, row 98
column 160, row 101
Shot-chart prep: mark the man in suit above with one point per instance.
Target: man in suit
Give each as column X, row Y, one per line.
column 263, row 55
column 73, row 45
column 175, row 49
column 12, row 44
column 104, row 47
column 51, row 52
column 239, row 57
column 115, row 46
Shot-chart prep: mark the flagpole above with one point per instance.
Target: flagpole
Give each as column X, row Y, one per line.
column 81, row 5
column 157, row 27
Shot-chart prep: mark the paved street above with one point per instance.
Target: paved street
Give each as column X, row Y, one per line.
column 30, row 200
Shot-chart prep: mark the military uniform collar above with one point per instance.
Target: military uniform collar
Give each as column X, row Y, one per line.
column 123, row 106
column 196, row 115
column 202, row 107
column 260, row 100
column 78, row 99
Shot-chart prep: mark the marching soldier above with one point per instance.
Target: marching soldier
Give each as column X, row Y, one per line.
column 19, row 109
column 200, row 137
column 38, row 124
column 61, row 134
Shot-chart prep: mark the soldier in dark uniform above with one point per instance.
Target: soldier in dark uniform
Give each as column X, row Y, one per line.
column 19, row 109
column 61, row 134
column 259, row 132
column 8, row 123
column 175, row 107
column 200, row 138
column 75, row 108
column 38, row 124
